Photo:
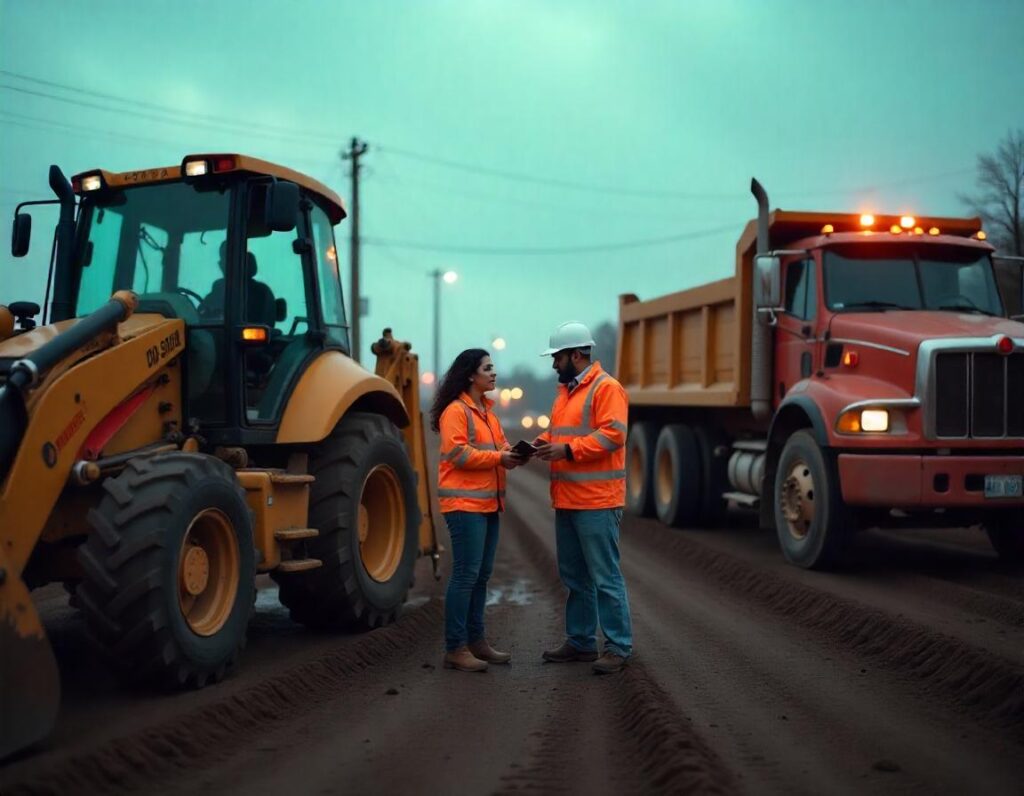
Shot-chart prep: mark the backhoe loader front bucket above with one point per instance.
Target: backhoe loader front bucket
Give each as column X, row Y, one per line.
column 29, row 680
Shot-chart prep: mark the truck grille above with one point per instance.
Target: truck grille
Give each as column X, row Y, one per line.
column 979, row 395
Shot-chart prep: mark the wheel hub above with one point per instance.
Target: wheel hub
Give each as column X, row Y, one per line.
column 195, row 570
column 797, row 499
column 382, row 522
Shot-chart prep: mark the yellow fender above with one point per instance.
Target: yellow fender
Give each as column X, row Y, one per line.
column 331, row 386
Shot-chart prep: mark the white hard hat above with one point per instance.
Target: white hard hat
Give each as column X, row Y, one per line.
column 571, row 334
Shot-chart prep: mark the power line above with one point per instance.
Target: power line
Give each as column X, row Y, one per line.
column 544, row 250
column 291, row 132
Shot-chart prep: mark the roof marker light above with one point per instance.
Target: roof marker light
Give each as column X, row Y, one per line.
column 918, row 231
column 895, row 229
column 933, row 231
column 828, row 229
column 196, row 168
column 980, row 234
column 1004, row 345
column 907, row 222
column 92, row 182
column 867, row 220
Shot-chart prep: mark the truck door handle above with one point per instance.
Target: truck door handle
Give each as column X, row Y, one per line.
column 806, row 330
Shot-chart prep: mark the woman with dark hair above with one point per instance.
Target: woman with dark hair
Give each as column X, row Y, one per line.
column 471, row 491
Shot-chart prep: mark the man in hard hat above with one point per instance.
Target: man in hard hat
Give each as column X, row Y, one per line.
column 585, row 446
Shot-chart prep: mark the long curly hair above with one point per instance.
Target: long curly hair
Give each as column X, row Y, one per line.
column 455, row 382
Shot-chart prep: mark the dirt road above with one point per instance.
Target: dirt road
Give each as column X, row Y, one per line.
column 903, row 674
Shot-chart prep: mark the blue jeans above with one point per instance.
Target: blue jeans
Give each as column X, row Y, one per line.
column 588, row 563
column 474, row 542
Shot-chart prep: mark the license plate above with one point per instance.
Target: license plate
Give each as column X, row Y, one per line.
column 1004, row 486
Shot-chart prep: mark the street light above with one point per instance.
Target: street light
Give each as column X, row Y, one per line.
column 449, row 277
column 498, row 343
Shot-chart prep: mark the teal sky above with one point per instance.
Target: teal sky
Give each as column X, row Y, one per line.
column 651, row 117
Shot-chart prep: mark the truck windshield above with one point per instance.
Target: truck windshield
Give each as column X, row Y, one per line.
column 162, row 241
column 920, row 278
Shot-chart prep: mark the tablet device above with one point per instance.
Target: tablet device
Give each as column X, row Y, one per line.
column 523, row 449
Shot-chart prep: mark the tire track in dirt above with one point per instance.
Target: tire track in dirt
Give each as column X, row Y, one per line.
column 985, row 685
column 663, row 753
column 221, row 727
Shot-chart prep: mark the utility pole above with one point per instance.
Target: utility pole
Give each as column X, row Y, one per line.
column 356, row 149
column 436, row 274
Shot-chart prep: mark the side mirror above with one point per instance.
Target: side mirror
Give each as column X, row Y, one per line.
column 767, row 282
column 21, row 234
column 282, row 206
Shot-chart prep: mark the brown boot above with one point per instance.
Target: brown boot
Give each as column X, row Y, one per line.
column 464, row 660
column 609, row 663
column 567, row 653
column 482, row 650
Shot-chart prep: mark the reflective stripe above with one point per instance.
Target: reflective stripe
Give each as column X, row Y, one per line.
column 590, row 399
column 582, row 430
column 470, row 493
column 606, row 443
column 599, row 475
column 446, row 457
column 481, row 494
column 570, row 431
column 463, row 458
column 618, row 426
column 471, row 432
column 484, row 446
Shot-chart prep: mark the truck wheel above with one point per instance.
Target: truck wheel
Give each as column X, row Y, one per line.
column 677, row 496
column 640, row 468
column 1006, row 533
column 810, row 516
column 714, row 467
column 365, row 505
column 169, row 570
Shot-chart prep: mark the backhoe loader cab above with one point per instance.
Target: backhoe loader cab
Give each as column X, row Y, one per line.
column 188, row 415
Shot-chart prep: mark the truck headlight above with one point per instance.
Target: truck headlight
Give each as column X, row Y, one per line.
column 866, row 421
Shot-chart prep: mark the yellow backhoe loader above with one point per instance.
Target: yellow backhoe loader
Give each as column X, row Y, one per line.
column 188, row 414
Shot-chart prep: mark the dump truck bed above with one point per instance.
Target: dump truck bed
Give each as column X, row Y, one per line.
column 692, row 347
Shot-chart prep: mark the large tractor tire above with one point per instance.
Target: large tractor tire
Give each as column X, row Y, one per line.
column 677, row 482
column 640, row 444
column 811, row 519
column 1006, row 533
column 365, row 505
column 714, row 472
column 168, row 583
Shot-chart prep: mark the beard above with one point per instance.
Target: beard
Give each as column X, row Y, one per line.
column 567, row 374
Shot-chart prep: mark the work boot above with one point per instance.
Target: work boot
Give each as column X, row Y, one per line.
column 609, row 663
column 482, row 650
column 464, row 660
column 568, row 653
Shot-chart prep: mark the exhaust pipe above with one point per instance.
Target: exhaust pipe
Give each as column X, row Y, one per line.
column 761, row 335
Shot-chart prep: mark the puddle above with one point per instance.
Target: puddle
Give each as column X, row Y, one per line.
column 517, row 593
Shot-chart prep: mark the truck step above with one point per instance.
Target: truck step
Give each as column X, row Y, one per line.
column 282, row 477
column 299, row 564
column 743, row 499
column 295, row 534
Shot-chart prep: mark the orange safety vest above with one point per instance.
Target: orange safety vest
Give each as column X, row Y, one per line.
column 470, row 476
column 592, row 421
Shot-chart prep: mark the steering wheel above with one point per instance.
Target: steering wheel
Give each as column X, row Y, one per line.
column 196, row 298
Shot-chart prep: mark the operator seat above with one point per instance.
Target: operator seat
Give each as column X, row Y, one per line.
column 259, row 298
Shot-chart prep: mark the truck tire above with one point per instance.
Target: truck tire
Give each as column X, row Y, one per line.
column 365, row 504
column 714, row 468
column 169, row 570
column 676, row 481
column 810, row 516
column 640, row 444
column 1006, row 533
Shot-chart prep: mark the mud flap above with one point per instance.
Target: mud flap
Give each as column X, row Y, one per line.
column 29, row 680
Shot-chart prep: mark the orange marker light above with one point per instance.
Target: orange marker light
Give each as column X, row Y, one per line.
column 918, row 231
column 980, row 234
column 895, row 229
column 828, row 229
column 907, row 222
column 933, row 231
column 851, row 359
column 254, row 334
column 867, row 220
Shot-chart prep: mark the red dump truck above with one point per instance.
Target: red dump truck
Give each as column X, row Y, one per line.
column 856, row 371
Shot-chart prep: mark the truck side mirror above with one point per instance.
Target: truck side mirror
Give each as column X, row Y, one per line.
column 282, row 206
column 767, row 282
column 21, row 234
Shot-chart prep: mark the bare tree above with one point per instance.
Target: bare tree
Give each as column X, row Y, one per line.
column 1000, row 182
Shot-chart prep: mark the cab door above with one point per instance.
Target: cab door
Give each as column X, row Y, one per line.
column 796, row 330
